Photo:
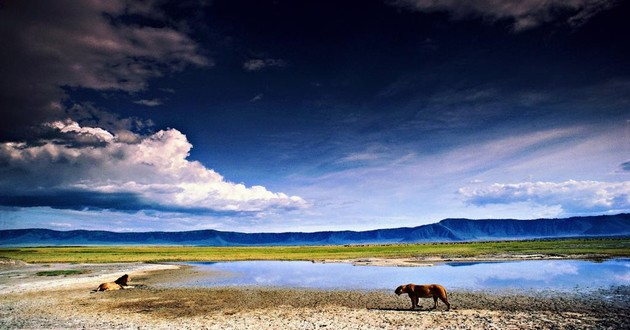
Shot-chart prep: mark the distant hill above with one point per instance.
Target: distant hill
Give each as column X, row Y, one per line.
column 448, row 230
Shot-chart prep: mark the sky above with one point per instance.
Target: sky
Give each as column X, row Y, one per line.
column 277, row 116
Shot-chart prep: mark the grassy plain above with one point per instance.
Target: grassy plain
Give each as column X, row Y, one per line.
column 579, row 248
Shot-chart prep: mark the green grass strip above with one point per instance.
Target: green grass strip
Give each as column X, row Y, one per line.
column 65, row 272
column 607, row 248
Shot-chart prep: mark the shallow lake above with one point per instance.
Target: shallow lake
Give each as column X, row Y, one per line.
column 560, row 275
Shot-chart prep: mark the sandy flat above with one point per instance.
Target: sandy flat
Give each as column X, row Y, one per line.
column 17, row 277
column 28, row 301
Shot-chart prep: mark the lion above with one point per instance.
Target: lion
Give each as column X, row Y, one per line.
column 120, row 284
column 416, row 292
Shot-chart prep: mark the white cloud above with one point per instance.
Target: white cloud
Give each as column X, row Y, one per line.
column 573, row 196
column 524, row 14
column 259, row 64
column 372, row 153
column 149, row 103
column 154, row 168
column 90, row 133
column 373, row 185
column 258, row 97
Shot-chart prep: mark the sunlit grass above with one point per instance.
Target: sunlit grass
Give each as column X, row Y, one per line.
column 107, row 254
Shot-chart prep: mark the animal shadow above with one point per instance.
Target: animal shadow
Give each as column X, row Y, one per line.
column 402, row 309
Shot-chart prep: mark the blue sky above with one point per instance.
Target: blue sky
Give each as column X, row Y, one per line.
column 311, row 115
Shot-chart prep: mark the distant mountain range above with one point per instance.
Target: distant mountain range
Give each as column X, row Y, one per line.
column 448, row 230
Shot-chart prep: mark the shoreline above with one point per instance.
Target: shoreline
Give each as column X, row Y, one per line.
column 28, row 301
column 433, row 260
column 17, row 276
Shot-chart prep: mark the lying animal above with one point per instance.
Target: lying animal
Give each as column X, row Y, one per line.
column 416, row 292
column 119, row 284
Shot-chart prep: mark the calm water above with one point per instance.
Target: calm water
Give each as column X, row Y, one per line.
column 561, row 275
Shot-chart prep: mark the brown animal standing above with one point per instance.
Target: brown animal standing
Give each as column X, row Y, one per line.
column 416, row 292
column 119, row 284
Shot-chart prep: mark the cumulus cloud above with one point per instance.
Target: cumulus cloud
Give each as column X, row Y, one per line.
column 572, row 196
column 100, row 45
column 523, row 15
column 89, row 167
column 260, row 64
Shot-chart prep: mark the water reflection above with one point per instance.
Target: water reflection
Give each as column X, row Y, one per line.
column 562, row 275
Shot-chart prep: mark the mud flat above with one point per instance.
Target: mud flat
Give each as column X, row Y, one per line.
column 28, row 301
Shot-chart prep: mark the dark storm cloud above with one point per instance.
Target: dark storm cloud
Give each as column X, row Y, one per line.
column 89, row 115
column 82, row 200
column 80, row 44
column 74, row 200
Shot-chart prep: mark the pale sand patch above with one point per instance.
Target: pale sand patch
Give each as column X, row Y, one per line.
column 22, row 277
